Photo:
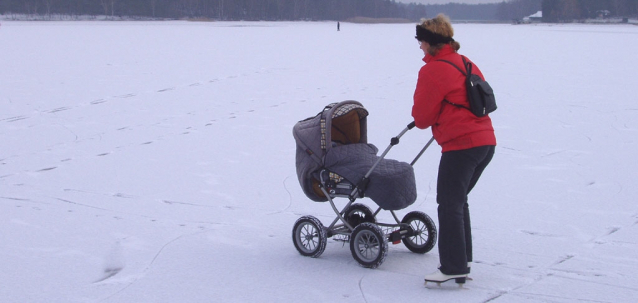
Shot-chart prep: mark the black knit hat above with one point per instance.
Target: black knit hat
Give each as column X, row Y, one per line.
column 432, row 38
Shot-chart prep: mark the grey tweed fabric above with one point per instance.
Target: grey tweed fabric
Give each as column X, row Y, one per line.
column 392, row 184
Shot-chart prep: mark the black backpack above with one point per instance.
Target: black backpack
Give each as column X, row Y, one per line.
column 479, row 93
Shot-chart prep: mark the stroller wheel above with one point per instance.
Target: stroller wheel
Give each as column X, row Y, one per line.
column 423, row 236
column 368, row 245
column 309, row 236
column 358, row 213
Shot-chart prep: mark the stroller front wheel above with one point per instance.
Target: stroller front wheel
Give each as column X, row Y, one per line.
column 423, row 235
column 368, row 245
column 309, row 236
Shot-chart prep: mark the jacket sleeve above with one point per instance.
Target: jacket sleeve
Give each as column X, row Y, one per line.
column 427, row 100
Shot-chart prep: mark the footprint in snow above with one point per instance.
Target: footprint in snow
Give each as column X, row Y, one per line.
column 113, row 262
column 59, row 109
column 46, row 169
column 126, row 96
column 14, row 119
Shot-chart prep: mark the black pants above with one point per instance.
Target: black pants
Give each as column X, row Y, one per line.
column 458, row 173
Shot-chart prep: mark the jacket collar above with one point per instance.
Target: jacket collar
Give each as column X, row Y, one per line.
column 446, row 50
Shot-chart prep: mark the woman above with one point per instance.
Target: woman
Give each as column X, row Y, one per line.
column 467, row 142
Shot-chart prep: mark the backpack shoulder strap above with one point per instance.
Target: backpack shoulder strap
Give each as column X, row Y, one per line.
column 459, row 69
column 468, row 65
column 462, row 72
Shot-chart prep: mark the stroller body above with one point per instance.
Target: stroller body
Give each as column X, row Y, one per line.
column 334, row 160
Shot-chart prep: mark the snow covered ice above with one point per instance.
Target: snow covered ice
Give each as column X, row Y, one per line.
column 154, row 161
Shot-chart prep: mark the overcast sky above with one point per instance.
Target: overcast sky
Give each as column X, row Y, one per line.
column 449, row 1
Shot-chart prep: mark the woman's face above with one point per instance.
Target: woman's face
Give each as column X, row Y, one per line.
column 424, row 47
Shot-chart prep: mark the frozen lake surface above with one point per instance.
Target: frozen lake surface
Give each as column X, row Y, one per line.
column 154, row 161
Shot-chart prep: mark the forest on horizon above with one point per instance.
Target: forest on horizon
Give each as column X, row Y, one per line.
column 313, row 10
column 267, row 10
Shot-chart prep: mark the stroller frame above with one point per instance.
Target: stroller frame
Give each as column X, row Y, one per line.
column 357, row 224
column 359, row 192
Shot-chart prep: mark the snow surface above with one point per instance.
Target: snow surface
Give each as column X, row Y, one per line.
column 154, row 161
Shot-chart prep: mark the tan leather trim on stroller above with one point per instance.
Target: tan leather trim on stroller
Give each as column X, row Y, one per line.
column 346, row 129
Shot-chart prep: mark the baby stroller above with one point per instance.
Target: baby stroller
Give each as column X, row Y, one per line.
column 334, row 159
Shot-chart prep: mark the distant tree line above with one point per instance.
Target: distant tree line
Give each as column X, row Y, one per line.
column 518, row 9
column 220, row 9
column 570, row 10
column 553, row 10
column 268, row 9
column 506, row 10
column 457, row 11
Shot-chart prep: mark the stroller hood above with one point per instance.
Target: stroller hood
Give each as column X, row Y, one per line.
column 336, row 140
column 338, row 123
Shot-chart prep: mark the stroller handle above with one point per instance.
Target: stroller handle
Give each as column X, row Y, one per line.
column 422, row 151
column 395, row 140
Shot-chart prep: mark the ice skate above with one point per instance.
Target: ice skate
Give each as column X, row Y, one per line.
column 438, row 277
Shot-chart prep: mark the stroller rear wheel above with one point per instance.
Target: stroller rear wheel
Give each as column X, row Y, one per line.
column 358, row 213
column 368, row 245
column 309, row 236
column 423, row 236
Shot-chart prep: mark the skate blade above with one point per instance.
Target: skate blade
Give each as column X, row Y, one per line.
column 459, row 281
column 439, row 286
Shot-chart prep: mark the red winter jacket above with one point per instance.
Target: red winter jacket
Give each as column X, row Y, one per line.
column 454, row 128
